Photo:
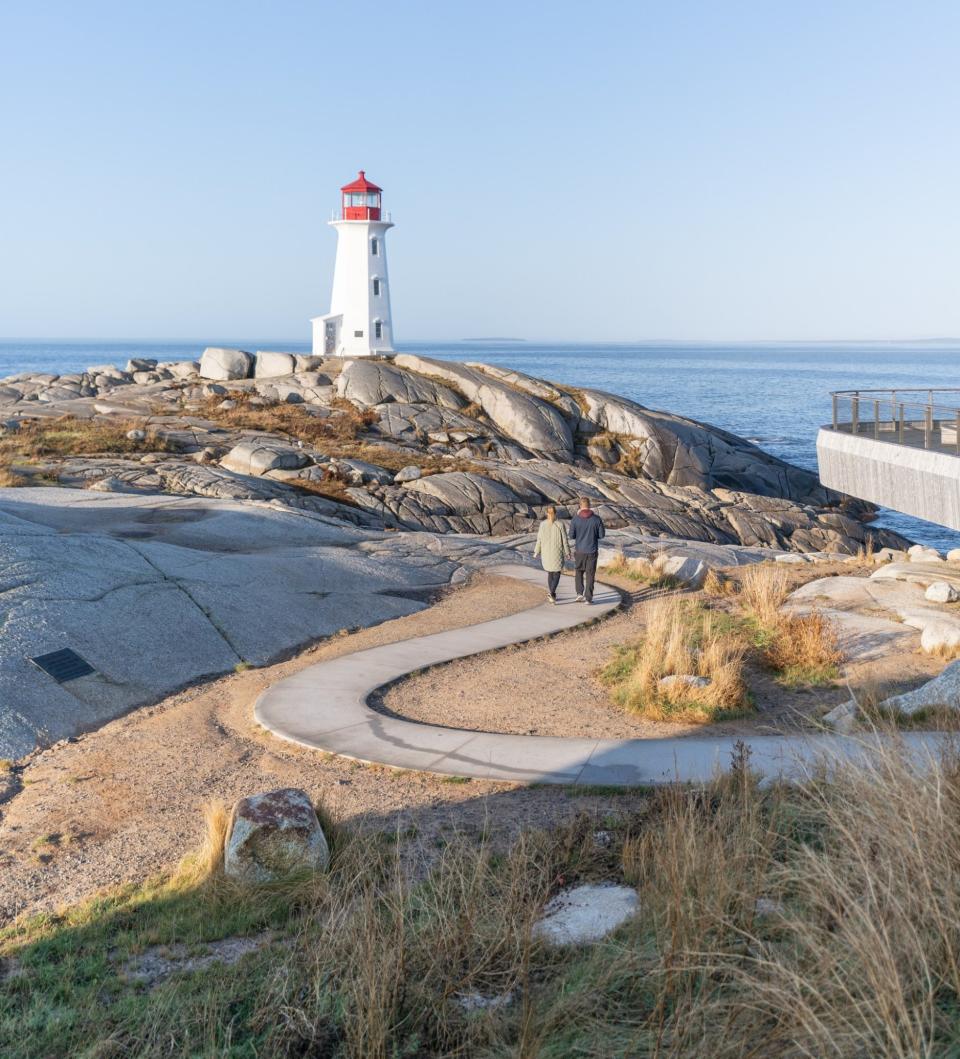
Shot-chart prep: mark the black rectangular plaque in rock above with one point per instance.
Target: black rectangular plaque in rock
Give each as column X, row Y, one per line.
column 63, row 665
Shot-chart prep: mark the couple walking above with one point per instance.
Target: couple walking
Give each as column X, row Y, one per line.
column 553, row 546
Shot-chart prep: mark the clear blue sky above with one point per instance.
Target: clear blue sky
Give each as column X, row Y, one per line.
column 571, row 171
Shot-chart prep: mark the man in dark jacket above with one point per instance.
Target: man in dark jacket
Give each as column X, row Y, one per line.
column 585, row 532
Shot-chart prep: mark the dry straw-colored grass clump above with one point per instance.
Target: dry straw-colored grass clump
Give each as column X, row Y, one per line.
column 681, row 639
column 802, row 648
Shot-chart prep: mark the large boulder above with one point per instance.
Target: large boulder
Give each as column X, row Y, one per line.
column 274, row 835
column 218, row 362
column 686, row 570
column 257, row 456
column 941, row 592
column 941, row 692
column 269, row 365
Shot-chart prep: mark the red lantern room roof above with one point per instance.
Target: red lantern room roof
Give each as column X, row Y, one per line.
column 361, row 184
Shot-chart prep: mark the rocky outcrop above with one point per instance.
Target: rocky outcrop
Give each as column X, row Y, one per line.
column 466, row 448
column 531, row 421
column 274, row 835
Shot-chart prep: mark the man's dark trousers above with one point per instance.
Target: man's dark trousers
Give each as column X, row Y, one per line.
column 586, row 572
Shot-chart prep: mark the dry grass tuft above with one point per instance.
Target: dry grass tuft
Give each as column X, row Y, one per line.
column 764, row 588
column 680, row 639
column 802, row 648
column 716, row 583
column 295, row 421
column 10, row 479
column 70, row 436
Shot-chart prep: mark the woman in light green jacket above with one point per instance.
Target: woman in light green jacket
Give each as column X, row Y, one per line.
column 552, row 547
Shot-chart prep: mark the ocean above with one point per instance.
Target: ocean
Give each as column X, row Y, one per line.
column 775, row 394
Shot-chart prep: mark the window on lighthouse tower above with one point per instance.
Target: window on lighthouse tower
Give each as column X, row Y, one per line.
column 376, row 288
column 374, row 246
column 378, row 330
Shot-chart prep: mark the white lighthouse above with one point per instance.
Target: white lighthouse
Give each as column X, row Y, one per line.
column 358, row 324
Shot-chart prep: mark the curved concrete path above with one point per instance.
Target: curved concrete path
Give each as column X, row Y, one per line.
column 325, row 707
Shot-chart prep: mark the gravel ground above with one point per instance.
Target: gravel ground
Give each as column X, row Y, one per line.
column 125, row 801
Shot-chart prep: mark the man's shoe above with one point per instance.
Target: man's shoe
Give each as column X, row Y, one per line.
column 553, row 600
column 580, row 598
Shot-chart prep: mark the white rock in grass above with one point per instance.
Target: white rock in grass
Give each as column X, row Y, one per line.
column 479, row 1002
column 586, row 913
column 689, row 571
column 842, row 718
column 684, row 678
column 941, row 592
column 407, row 474
column 273, row 835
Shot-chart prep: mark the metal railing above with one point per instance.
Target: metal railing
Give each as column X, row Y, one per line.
column 337, row 215
column 901, row 416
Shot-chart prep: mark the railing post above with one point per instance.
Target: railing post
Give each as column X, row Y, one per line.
column 854, row 414
column 901, row 422
column 876, row 419
column 834, row 397
column 928, row 427
column 956, row 427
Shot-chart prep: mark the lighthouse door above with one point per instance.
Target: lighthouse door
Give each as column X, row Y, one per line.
column 330, row 338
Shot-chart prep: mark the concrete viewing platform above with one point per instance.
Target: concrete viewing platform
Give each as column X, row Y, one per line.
column 897, row 448
column 325, row 707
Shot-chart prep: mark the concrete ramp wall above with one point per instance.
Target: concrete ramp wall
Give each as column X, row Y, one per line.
column 915, row 481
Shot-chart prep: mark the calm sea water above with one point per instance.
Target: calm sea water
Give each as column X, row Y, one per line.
column 777, row 395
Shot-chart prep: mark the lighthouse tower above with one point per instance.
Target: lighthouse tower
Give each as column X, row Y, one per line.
column 358, row 324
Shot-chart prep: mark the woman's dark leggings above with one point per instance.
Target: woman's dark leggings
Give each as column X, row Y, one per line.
column 553, row 579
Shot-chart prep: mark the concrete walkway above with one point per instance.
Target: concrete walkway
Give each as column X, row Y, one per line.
column 325, row 707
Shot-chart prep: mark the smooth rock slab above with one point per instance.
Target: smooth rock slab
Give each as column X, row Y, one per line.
column 274, row 835
column 586, row 913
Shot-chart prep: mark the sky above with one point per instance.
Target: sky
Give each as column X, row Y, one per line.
column 566, row 171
